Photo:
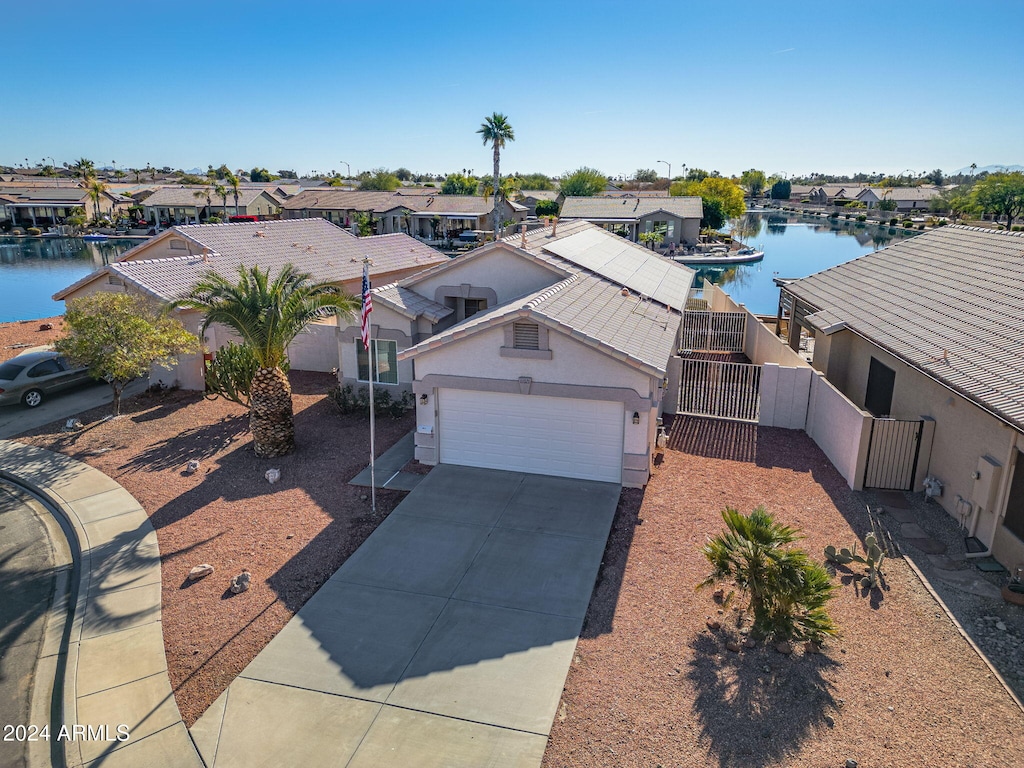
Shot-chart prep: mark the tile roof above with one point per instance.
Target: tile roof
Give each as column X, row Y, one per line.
column 948, row 302
column 904, row 193
column 332, row 199
column 590, row 309
column 471, row 205
column 315, row 246
column 540, row 194
column 184, row 197
column 43, row 195
column 411, row 304
column 629, row 208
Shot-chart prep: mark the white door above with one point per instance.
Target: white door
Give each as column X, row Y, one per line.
column 526, row 433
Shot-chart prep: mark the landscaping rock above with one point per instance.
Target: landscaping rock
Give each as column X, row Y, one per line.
column 192, row 467
column 200, row 571
column 733, row 646
column 812, row 648
column 273, row 475
column 785, row 647
column 851, row 763
column 714, row 625
column 46, row 326
column 240, row 583
column 749, row 643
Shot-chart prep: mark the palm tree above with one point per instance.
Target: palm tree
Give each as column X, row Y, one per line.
column 233, row 182
column 222, row 192
column 496, row 130
column 268, row 314
column 96, row 189
column 199, row 194
column 507, row 188
column 788, row 591
column 84, row 168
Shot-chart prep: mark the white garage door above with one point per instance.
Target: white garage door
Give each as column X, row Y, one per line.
column 526, row 433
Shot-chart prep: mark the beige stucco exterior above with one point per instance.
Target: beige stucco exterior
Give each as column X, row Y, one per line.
column 967, row 439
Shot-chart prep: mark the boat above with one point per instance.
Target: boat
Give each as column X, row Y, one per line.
column 95, row 238
column 742, row 256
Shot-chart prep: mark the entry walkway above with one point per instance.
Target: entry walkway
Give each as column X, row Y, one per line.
column 443, row 641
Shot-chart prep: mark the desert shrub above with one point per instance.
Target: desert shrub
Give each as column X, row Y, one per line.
column 893, row 221
column 1016, row 227
column 230, row 373
column 350, row 401
column 833, row 215
column 34, row 231
column 862, row 217
column 908, row 223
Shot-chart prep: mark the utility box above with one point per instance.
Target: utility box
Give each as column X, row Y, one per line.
column 986, row 483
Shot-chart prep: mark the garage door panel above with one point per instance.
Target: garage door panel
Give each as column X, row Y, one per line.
column 527, row 433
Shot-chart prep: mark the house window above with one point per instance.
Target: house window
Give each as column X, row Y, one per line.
column 881, row 382
column 178, row 245
column 475, row 305
column 385, row 361
column 525, row 336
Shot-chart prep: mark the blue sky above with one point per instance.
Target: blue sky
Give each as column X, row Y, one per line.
column 785, row 87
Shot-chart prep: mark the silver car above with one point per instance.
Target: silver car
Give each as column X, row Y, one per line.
column 33, row 376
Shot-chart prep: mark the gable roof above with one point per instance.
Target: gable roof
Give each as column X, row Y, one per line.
column 903, row 193
column 315, row 246
column 630, row 208
column 334, row 199
column 589, row 309
column 185, row 197
column 948, row 302
column 410, row 303
column 439, row 205
column 539, row 194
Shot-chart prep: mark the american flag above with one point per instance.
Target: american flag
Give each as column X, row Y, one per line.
column 367, row 307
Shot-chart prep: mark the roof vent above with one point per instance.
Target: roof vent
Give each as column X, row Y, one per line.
column 624, row 292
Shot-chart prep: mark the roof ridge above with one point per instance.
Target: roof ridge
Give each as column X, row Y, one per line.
column 968, row 228
column 546, row 293
column 165, row 259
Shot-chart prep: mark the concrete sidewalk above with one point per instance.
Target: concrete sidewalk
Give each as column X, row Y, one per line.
column 388, row 468
column 443, row 641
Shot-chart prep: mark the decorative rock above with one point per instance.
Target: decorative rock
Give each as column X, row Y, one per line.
column 810, row 647
column 192, row 467
column 749, row 643
column 1000, row 626
column 240, row 583
column 718, row 594
column 200, row 571
column 829, row 721
column 851, row 763
column 363, row 497
column 733, row 646
column 714, row 625
column 784, row 647
column 46, row 326
column 71, row 425
column 273, row 475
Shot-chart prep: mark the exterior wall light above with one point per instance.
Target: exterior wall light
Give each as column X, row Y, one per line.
column 423, row 399
column 636, row 417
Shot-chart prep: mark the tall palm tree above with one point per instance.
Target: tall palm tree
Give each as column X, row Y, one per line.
column 233, row 182
column 268, row 314
column 199, row 194
column 507, row 189
column 222, row 192
column 84, row 168
column 496, row 130
column 96, row 189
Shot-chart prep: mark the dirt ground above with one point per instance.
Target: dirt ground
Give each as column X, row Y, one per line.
column 652, row 685
column 291, row 535
column 16, row 337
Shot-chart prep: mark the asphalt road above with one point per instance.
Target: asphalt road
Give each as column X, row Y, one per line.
column 32, row 550
column 15, row 419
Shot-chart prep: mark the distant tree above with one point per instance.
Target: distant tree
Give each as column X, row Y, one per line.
column 119, row 336
column 403, row 174
column 287, row 174
column 138, row 174
column 781, row 190
column 381, row 179
column 547, row 208
column 696, row 174
column 47, row 170
column 118, row 174
column 886, row 204
column 714, row 215
column 96, row 190
column 84, row 168
column 457, row 184
column 536, row 181
column 935, row 177
column 496, row 130
column 234, row 182
column 222, row 192
column 645, row 175
column 583, row 182
column 721, row 198
column 1001, row 194
column 753, row 181
column 221, row 173
column 262, row 175
column 191, row 179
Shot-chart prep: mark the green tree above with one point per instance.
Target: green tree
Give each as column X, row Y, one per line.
column 96, row 189
column 47, row 170
column 403, row 174
column 651, row 239
column 583, row 182
column 365, row 223
column 887, row 204
column 234, row 182
column 536, row 181
column 381, row 179
column 84, row 168
column 547, row 208
column 138, row 174
column 268, row 314
column 787, row 590
column 76, row 219
column 645, row 175
column 713, row 214
column 285, row 174
column 262, row 175
column 1001, row 194
column 507, row 188
column 200, row 194
column 753, row 181
column 696, row 174
column 781, row 190
column 221, row 191
column 457, row 184
column 119, row 336
column 496, row 130
column 936, row 177
column 712, row 189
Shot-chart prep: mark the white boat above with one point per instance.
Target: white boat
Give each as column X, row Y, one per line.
column 742, row 256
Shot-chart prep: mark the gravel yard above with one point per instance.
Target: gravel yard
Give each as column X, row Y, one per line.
column 16, row 337
column 291, row 535
column 652, row 685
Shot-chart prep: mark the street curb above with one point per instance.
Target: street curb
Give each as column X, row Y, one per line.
column 75, row 491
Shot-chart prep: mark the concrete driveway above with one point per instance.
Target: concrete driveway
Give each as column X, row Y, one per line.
column 443, row 641
column 16, row 419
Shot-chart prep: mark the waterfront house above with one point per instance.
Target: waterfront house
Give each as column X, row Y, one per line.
column 927, row 334
column 677, row 219
column 46, row 206
column 907, row 199
column 169, row 206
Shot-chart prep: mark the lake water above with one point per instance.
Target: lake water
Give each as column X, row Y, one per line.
column 794, row 245
column 33, row 269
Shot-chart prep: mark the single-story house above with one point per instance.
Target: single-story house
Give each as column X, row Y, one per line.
column 830, row 194
column 530, row 198
column 338, row 206
column 440, row 217
column 42, row 206
column 676, row 218
column 907, row 199
column 181, row 205
column 798, row 192
column 930, row 329
column 168, row 265
column 543, row 352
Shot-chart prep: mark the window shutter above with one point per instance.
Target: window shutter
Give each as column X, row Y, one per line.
column 525, row 336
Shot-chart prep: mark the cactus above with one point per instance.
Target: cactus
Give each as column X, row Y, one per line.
column 871, row 559
column 842, row 557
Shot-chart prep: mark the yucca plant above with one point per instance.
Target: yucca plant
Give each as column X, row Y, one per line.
column 268, row 315
column 787, row 590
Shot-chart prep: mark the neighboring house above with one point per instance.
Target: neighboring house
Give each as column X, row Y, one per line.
column 930, row 328
column 543, row 352
column 40, row 206
column 798, row 192
column 439, row 217
column 338, row 206
column 833, row 194
column 168, row 265
column 676, row 218
column 170, row 206
column 530, row 198
column 907, row 199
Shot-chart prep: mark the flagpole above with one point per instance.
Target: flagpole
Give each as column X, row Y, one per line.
column 368, row 342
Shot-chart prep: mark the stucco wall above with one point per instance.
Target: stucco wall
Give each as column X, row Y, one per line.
column 784, row 396
column 507, row 273
column 316, row 348
column 840, row 429
column 760, row 345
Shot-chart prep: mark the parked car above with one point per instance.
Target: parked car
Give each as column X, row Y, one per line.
column 35, row 375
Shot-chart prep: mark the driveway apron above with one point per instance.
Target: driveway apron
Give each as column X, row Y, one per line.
column 443, row 641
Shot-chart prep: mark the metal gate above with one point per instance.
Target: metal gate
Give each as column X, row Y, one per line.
column 720, row 390
column 714, row 331
column 892, row 454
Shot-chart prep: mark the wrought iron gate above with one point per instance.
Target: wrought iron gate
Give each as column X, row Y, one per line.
column 714, row 331
column 720, row 390
column 893, row 450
